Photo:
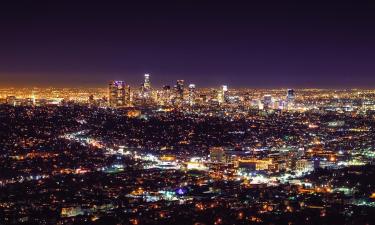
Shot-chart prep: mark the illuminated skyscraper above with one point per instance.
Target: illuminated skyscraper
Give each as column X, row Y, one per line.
column 224, row 90
column 147, row 83
column 128, row 100
column 118, row 94
column 223, row 94
column 192, row 94
column 179, row 88
column 146, row 87
column 166, row 95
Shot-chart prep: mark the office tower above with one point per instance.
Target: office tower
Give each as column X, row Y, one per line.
column 224, row 90
column 223, row 94
column 117, row 94
column 179, row 88
column 290, row 95
column 128, row 100
column 147, row 83
column 166, row 95
column 192, row 94
column 267, row 101
column 146, row 87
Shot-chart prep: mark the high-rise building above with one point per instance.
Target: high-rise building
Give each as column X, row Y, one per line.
column 224, row 90
column 192, row 94
column 128, row 98
column 290, row 95
column 118, row 94
column 147, row 83
column 166, row 95
column 179, row 88
column 267, row 101
column 223, row 94
column 146, row 87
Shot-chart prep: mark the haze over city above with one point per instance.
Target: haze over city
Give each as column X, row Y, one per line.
column 261, row 44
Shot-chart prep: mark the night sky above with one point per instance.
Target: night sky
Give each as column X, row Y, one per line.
column 209, row 43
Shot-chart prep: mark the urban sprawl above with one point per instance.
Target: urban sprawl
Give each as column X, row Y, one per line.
column 181, row 154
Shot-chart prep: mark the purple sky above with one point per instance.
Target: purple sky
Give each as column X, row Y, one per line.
column 268, row 44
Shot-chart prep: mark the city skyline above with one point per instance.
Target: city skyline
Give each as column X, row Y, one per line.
column 159, row 84
column 297, row 45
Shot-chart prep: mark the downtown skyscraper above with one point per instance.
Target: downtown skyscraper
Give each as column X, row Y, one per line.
column 119, row 94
